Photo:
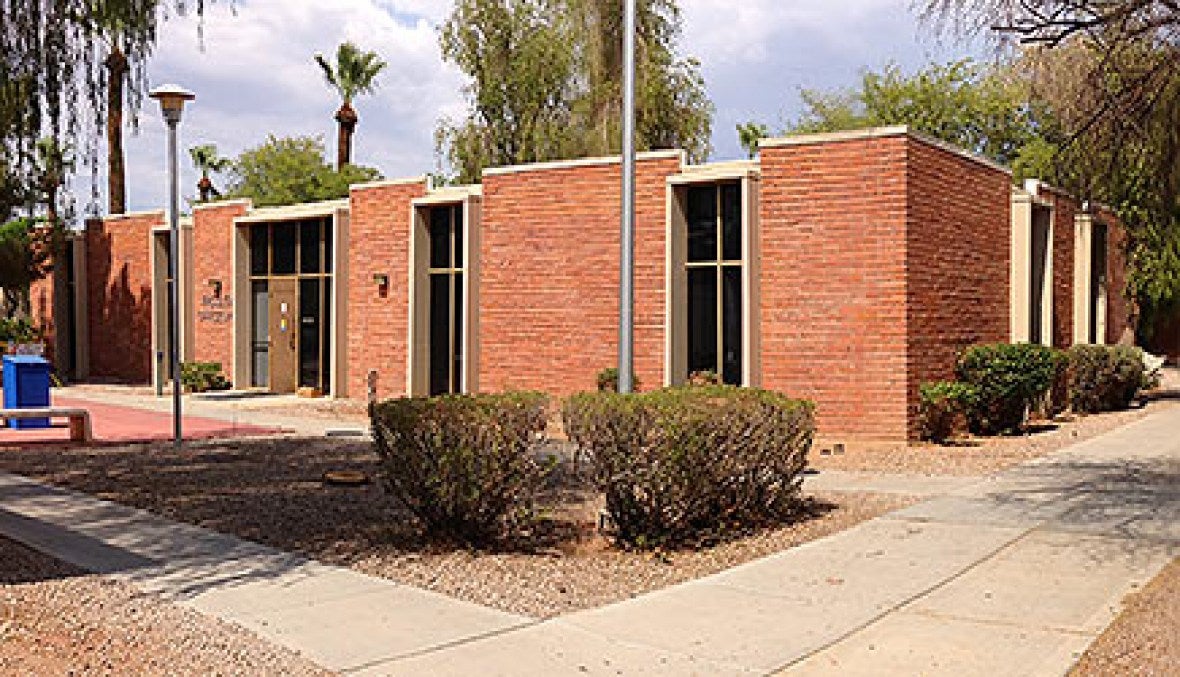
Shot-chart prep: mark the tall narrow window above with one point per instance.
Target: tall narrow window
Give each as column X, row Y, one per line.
column 446, row 299
column 1039, row 287
column 713, row 215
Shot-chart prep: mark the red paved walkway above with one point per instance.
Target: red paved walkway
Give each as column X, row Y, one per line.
column 113, row 423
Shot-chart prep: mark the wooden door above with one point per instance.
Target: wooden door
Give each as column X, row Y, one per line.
column 284, row 327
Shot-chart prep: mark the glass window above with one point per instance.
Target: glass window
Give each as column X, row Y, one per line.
column 440, row 334
column 259, row 249
column 457, row 333
column 702, row 319
column 457, row 219
column 309, row 332
column 328, row 245
column 283, row 262
column 260, row 334
column 731, row 221
column 326, row 337
column 440, row 238
column 714, row 295
column 309, row 246
column 701, row 216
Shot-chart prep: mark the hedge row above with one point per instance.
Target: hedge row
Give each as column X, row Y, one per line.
column 677, row 465
column 998, row 385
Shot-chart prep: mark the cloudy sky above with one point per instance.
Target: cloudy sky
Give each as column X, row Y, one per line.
column 253, row 73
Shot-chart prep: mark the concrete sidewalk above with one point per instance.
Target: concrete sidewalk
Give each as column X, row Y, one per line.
column 1014, row 574
column 234, row 412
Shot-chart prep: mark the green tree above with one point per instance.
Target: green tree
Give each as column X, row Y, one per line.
column 985, row 110
column 25, row 246
column 545, row 82
column 205, row 159
column 291, row 170
column 354, row 73
column 749, row 134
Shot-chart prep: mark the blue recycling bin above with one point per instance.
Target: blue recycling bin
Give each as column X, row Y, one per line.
column 26, row 386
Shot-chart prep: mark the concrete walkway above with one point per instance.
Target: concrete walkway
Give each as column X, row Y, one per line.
column 1012, row 575
column 235, row 412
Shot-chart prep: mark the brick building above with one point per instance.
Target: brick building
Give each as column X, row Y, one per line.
column 845, row 268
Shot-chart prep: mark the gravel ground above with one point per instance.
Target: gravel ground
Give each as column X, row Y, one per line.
column 1145, row 638
column 270, row 491
column 56, row 620
column 975, row 457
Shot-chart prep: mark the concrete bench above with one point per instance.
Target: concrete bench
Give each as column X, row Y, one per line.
column 79, row 419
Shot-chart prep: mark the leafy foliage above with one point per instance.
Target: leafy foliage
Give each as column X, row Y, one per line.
column 206, row 160
column 354, row 72
column 608, row 380
column 978, row 108
column 199, row 377
column 545, row 83
column 1104, row 378
column 941, row 405
column 1008, row 379
column 465, row 465
column 749, row 134
column 685, row 465
column 26, row 248
column 291, row 170
column 17, row 330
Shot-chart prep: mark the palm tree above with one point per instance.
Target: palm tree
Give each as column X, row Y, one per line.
column 353, row 74
column 206, row 159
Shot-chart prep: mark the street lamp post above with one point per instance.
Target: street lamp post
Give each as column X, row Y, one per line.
column 172, row 99
column 627, row 236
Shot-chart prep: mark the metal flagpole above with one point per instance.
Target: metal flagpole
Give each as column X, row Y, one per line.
column 627, row 256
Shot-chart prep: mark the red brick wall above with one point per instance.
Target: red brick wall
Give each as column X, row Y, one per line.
column 379, row 242
column 548, row 305
column 833, row 291
column 1065, row 213
column 119, row 288
column 1119, row 309
column 213, row 232
column 958, row 258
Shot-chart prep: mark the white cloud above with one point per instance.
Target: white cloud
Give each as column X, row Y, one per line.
column 255, row 73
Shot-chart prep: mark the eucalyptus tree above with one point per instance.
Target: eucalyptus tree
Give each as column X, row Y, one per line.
column 545, row 82
column 354, row 73
column 206, row 160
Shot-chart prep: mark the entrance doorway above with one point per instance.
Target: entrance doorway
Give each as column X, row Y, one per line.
column 291, row 284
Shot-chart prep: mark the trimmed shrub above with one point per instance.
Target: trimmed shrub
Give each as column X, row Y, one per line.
column 18, row 330
column 199, row 377
column 704, row 378
column 465, row 465
column 687, row 465
column 608, row 380
column 1104, row 378
column 1009, row 380
column 941, row 406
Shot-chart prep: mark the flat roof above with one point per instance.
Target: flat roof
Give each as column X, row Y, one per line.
column 306, row 210
column 880, row 132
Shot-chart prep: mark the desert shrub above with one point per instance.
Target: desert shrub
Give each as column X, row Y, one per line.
column 941, row 405
column 686, row 465
column 465, row 465
column 608, row 380
column 704, row 378
column 18, row 330
column 199, row 377
column 1009, row 379
column 1104, row 378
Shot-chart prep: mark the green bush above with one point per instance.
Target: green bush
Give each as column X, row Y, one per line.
column 608, row 380
column 1104, row 378
column 704, row 378
column 941, row 405
column 685, row 465
column 199, row 377
column 1009, row 380
column 465, row 465
column 18, row 330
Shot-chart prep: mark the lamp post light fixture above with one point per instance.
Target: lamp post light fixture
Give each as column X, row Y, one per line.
column 172, row 99
column 627, row 234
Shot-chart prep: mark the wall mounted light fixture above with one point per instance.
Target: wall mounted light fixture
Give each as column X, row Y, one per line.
column 381, row 279
column 215, row 285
